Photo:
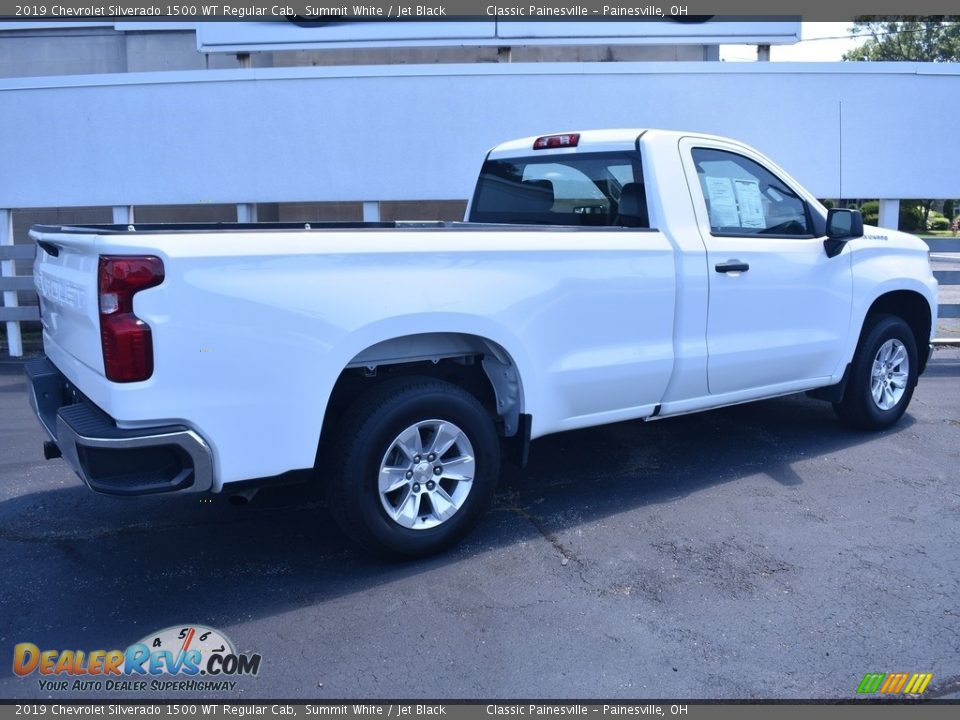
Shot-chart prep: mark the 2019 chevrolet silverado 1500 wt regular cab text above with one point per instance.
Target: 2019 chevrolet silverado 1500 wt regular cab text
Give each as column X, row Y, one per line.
column 601, row 276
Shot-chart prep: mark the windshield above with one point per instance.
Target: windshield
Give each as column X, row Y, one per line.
column 604, row 189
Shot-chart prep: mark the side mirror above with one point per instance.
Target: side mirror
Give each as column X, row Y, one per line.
column 842, row 225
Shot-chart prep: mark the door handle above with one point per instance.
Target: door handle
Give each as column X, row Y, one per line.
column 731, row 266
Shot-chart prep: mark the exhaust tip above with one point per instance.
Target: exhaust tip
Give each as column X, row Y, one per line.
column 51, row 451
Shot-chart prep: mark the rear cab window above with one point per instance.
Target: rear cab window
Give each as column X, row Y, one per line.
column 596, row 189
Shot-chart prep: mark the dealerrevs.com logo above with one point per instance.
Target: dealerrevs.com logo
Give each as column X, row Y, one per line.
column 201, row 658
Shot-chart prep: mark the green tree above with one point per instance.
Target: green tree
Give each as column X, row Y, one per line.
column 919, row 38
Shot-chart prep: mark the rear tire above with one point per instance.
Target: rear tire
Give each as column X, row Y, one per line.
column 412, row 468
column 883, row 374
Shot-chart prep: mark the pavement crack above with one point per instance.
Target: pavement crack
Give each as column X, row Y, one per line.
column 566, row 555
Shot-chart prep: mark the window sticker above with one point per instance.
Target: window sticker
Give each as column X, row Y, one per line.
column 723, row 202
column 751, row 206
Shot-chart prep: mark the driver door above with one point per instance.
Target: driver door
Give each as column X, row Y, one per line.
column 779, row 308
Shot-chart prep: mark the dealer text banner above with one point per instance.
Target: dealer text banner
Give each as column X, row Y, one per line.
column 188, row 709
column 324, row 11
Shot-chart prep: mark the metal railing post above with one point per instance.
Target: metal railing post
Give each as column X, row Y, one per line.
column 8, row 268
column 123, row 215
column 371, row 211
column 246, row 212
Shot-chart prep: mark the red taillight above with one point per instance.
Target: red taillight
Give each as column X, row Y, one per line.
column 556, row 141
column 125, row 338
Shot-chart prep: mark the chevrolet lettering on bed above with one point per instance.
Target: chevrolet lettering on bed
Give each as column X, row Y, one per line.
column 600, row 276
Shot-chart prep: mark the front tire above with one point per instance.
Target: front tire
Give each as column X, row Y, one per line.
column 413, row 467
column 883, row 375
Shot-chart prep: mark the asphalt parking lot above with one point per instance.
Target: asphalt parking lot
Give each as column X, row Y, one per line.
column 759, row 551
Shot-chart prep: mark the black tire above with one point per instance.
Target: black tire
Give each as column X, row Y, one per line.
column 858, row 407
column 370, row 429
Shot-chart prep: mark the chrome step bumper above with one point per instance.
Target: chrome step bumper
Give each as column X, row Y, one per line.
column 113, row 460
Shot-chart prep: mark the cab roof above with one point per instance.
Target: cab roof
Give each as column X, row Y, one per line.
column 616, row 139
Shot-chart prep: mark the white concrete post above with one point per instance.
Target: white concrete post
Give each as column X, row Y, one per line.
column 889, row 214
column 371, row 211
column 123, row 215
column 8, row 269
column 246, row 212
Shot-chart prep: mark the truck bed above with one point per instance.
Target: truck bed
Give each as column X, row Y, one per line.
column 254, row 322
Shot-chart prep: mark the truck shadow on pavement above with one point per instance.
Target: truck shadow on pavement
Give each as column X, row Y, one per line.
column 160, row 560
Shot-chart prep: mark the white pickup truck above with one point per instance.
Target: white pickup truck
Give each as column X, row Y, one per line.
column 601, row 276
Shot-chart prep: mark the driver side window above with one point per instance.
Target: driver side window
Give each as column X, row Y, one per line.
column 744, row 198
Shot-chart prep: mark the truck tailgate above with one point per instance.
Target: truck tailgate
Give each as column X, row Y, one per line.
column 65, row 273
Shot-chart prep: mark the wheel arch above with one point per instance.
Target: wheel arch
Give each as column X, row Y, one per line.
column 477, row 363
column 914, row 309
column 910, row 305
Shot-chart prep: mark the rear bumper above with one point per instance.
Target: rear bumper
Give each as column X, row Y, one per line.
column 113, row 460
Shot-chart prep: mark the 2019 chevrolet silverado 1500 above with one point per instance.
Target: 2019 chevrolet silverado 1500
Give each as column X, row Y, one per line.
column 601, row 276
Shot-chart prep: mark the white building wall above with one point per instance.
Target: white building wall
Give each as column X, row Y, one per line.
column 420, row 132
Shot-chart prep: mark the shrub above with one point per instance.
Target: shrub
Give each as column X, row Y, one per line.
column 871, row 211
column 911, row 218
